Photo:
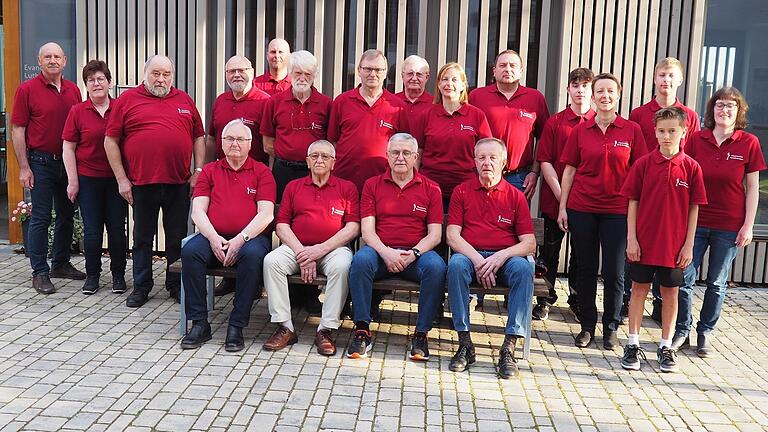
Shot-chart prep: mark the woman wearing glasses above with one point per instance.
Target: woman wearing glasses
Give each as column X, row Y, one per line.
column 729, row 159
column 91, row 179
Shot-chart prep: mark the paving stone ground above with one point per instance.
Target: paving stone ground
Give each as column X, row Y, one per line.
column 75, row 362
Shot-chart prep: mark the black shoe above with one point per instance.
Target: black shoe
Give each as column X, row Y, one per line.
column 680, row 340
column 584, row 338
column 91, row 285
column 137, row 298
column 507, row 363
column 464, row 357
column 67, row 271
column 197, row 335
column 631, row 358
column 610, row 340
column 667, row 361
column 541, row 312
column 42, row 284
column 656, row 311
column 702, row 347
column 224, row 287
column 234, row 341
column 624, row 313
column 313, row 306
column 360, row 345
column 420, row 347
column 118, row 284
column 175, row 294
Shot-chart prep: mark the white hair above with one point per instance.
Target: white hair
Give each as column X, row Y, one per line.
column 304, row 60
column 403, row 137
column 322, row 142
column 416, row 62
column 234, row 122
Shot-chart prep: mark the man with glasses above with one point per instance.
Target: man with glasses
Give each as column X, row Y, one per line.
column 415, row 74
column 319, row 216
column 276, row 79
column 363, row 119
column 233, row 207
column 402, row 217
column 151, row 137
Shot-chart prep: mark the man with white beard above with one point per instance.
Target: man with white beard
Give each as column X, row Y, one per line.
column 151, row 136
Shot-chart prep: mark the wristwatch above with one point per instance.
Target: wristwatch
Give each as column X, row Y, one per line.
column 197, row 170
column 245, row 236
column 416, row 253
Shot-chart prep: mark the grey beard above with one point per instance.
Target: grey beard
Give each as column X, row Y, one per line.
column 238, row 87
column 157, row 91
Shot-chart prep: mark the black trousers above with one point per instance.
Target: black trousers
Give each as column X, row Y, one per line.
column 285, row 172
column 550, row 254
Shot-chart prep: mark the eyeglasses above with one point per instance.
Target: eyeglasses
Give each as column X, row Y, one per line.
column 397, row 153
column 323, row 156
column 240, row 71
column 230, row 140
column 419, row 75
column 729, row 106
column 367, row 70
column 92, row 81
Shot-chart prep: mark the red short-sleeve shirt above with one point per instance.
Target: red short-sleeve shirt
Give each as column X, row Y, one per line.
column 490, row 219
column 724, row 169
column 270, row 85
column 602, row 163
column 234, row 194
column 421, row 104
column 248, row 108
column 294, row 125
column 447, row 142
column 41, row 108
column 85, row 127
column 156, row 135
column 316, row 214
column 515, row 121
column 402, row 215
column 556, row 132
column 361, row 133
column 664, row 189
column 643, row 115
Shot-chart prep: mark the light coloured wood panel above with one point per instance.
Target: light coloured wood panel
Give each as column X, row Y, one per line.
column 684, row 52
column 219, row 52
column 504, row 10
column 162, row 16
column 618, row 36
column 567, row 24
column 665, row 12
column 628, row 43
column 694, row 62
column 461, row 56
column 586, row 32
column 650, row 49
column 133, row 78
column 576, row 34
column 301, row 27
column 141, row 32
column 482, row 43
column 240, row 28
column 442, row 30
column 381, row 24
column 80, row 56
column 201, row 52
column 318, row 38
column 525, row 30
column 640, row 82
column 280, row 19
column 90, row 33
column 402, row 15
column 609, row 33
column 173, row 15
column 360, row 39
column 597, row 35
column 258, row 62
column 338, row 48
column 422, row 42
column 674, row 29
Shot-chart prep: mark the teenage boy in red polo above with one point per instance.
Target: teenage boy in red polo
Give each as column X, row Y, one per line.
column 665, row 189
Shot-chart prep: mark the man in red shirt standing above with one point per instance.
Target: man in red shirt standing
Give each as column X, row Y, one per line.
column 276, row 78
column 415, row 74
column 154, row 131
column 40, row 110
column 516, row 115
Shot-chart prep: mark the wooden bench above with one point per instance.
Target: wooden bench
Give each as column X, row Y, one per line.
column 540, row 286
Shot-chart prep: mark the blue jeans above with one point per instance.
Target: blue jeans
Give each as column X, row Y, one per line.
column 101, row 204
column 367, row 267
column 722, row 251
column 197, row 256
column 517, row 274
column 517, row 178
column 49, row 192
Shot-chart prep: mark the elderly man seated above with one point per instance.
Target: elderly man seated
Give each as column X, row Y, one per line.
column 491, row 233
column 232, row 206
column 402, row 217
column 318, row 217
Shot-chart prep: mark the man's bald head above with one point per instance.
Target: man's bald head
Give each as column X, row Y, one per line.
column 278, row 51
column 52, row 60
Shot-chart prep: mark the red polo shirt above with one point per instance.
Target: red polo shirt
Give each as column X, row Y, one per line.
column 294, row 125
column 402, row 215
column 361, row 133
column 234, row 194
column 156, row 135
column 551, row 144
column 490, row 219
column 448, row 143
column 270, row 85
column 85, row 127
column 421, row 104
column 42, row 109
column 664, row 188
column 248, row 108
column 515, row 121
column 602, row 163
column 724, row 169
column 643, row 115
column 316, row 214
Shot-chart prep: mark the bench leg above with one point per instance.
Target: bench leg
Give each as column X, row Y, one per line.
column 182, row 311
column 209, row 283
column 527, row 342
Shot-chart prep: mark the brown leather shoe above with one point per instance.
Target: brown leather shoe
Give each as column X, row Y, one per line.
column 281, row 338
column 325, row 345
column 67, row 271
column 42, row 284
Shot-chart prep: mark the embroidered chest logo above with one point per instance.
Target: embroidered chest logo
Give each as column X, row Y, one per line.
column 337, row 212
column 382, row 123
column 249, row 191
column 184, row 111
column 731, row 156
column 247, row 121
column 464, row 127
column 617, row 143
column 524, row 114
column 502, row 219
column 681, row 183
column 418, row 208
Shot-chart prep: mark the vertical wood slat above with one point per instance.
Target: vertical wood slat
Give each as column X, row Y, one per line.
column 442, row 30
column 240, row 28
column 541, row 78
column 575, row 45
column 665, row 10
column 461, row 53
column 697, row 39
column 402, row 15
column 629, row 55
column 219, row 52
column 586, row 32
column 618, row 37
column 482, row 43
column 504, row 25
column 301, row 27
column 81, row 55
column 639, row 81
column 162, row 14
column 684, row 52
column 101, row 52
column 111, row 32
column 422, row 42
column 141, row 32
column 338, row 48
column 567, row 22
column 317, row 46
column 92, row 26
column 650, row 50
column 525, row 28
column 201, row 57
column 258, row 64
column 360, row 39
column 674, row 29
column 597, row 35
column 131, row 39
column 181, row 54
column 381, row 24
column 152, row 12
column 280, row 19
column 192, row 50
column 609, row 32
column 170, row 32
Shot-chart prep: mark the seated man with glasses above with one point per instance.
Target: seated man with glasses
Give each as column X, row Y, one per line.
column 232, row 207
column 402, row 217
column 319, row 216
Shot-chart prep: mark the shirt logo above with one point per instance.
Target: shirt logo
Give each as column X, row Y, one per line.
column 502, row 219
column 681, row 183
column 524, row 114
column 184, row 111
column 466, row 127
column 249, row 191
column 335, row 211
column 419, row 208
column 246, row 121
column 382, row 123
column 621, row 144
column 731, row 156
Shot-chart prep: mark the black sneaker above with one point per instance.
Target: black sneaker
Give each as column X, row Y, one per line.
column 507, row 364
column 667, row 361
column 91, row 285
column 420, row 347
column 464, row 357
column 360, row 345
column 680, row 340
column 584, row 338
column 631, row 358
column 541, row 312
column 656, row 311
column 118, row 284
column 137, row 298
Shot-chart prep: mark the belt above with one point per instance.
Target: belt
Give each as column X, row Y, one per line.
column 43, row 155
column 292, row 164
column 519, row 169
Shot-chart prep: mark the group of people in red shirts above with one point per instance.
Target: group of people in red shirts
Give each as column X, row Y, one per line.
column 652, row 193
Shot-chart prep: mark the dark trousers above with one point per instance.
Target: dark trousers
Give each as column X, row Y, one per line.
column 591, row 233
column 550, row 254
column 197, row 256
column 49, row 193
column 147, row 202
column 287, row 171
column 101, row 204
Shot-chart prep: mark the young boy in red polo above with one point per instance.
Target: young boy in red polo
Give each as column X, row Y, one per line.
column 665, row 189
